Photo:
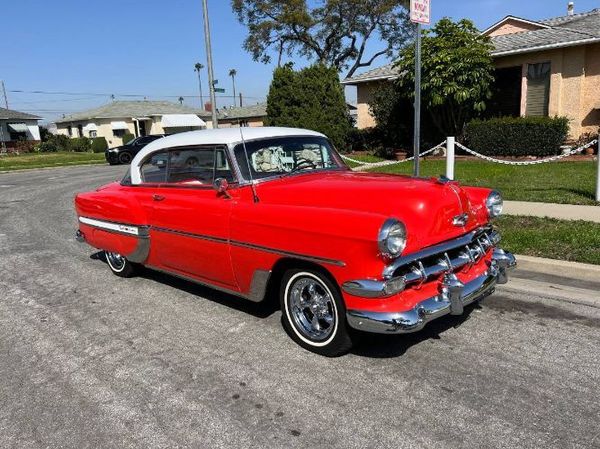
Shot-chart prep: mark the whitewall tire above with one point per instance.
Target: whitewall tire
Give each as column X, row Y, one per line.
column 119, row 265
column 313, row 312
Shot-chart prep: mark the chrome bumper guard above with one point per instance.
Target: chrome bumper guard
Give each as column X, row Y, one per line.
column 453, row 296
column 79, row 236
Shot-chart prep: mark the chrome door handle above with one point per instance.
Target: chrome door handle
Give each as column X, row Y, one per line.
column 156, row 197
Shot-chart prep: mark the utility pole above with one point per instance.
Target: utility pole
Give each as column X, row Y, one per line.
column 211, row 85
column 241, row 100
column 4, row 93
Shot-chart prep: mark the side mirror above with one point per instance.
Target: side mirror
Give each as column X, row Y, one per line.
column 221, row 185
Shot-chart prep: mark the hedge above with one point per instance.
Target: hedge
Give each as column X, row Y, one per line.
column 517, row 136
column 127, row 137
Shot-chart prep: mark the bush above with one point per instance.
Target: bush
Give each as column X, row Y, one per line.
column 365, row 139
column 517, row 136
column 24, row 146
column 311, row 98
column 80, row 145
column 49, row 146
column 127, row 137
column 99, row 145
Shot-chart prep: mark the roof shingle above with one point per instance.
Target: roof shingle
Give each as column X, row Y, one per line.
column 9, row 114
column 125, row 109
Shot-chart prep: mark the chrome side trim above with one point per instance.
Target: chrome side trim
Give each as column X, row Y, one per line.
column 191, row 235
column 430, row 309
column 267, row 249
column 280, row 252
column 116, row 227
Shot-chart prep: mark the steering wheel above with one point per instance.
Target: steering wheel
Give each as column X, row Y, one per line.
column 303, row 163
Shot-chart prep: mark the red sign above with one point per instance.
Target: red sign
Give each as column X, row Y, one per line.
column 420, row 11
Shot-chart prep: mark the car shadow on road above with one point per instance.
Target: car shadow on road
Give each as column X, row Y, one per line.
column 388, row 346
column 259, row 310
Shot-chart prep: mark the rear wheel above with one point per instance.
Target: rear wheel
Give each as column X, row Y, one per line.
column 314, row 313
column 119, row 265
column 125, row 158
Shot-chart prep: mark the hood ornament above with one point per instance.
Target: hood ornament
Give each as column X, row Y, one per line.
column 460, row 220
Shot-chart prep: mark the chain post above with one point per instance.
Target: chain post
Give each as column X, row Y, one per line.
column 450, row 145
column 598, row 172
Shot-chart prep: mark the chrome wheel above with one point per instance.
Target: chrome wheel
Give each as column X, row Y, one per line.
column 312, row 307
column 116, row 261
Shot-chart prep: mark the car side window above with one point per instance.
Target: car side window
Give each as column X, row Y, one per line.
column 198, row 166
column 154, row 169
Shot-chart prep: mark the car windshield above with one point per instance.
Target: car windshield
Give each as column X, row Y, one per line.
column 131, row 141
column 284, row 155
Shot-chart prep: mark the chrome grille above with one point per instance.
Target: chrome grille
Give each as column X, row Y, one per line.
column 443, row 258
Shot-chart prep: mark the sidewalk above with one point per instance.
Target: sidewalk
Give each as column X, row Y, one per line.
column 561, row 211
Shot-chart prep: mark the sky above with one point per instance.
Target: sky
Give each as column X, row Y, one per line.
column 81, row 52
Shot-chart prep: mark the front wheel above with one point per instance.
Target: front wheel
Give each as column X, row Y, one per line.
column 119, row 265
column 314, row 313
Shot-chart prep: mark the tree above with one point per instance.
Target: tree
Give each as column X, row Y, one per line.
column 232, row 74
column 457, row 73
column 197, row 68
column 332, row 32
column 311, row 98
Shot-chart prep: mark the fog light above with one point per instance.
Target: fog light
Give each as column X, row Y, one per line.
column 395, row 285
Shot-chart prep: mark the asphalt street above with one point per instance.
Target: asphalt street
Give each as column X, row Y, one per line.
column 91, row 360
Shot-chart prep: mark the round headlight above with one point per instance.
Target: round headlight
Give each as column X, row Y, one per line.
column 392, row 238
column 494, row 204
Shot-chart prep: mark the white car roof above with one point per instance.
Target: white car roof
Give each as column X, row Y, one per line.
column 219, row 136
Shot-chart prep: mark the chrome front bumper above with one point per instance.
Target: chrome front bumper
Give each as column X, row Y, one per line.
column 453, row 296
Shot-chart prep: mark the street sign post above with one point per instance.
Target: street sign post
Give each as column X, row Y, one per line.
column 219, row 90
column 420, row 11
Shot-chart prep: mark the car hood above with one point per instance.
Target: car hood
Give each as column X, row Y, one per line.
column 426, row 206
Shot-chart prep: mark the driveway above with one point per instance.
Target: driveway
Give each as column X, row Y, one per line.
column 91, row 360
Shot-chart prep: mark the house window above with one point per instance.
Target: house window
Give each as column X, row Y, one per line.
column 506, row 92
column 70, row 130
column 119, row 132
column 538, row 89
column 93, row 134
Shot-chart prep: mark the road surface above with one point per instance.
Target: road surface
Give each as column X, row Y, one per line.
column 91, row 360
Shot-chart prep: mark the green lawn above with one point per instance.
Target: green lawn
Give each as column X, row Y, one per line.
column 555, row 182
column 41, row 160
column 577, row 241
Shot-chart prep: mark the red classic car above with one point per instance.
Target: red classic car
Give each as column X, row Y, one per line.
column 261, row 211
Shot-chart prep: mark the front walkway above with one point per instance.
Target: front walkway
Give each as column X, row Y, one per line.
column 561, row 211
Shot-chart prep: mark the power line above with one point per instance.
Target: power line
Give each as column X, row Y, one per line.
column 98, row 94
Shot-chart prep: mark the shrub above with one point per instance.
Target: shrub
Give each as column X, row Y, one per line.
column 366, row 139
column 517, row 136
column 80, row 145
column 99, row 145
column 311, row 98
column 49, row 146
column 127, row 137
column 24, row 146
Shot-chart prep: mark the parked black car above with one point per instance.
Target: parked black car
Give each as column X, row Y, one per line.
column 125, row 153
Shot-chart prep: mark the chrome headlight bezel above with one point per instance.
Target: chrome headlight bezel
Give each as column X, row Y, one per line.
column 494, row 204
column 392, row 238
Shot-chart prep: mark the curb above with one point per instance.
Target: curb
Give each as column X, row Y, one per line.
column 552, row 210
column 562, row 268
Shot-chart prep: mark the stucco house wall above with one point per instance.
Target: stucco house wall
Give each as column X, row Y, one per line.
column 574, row 84
column 512, row 26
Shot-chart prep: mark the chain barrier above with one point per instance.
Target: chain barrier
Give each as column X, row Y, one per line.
column 366, row 165
column 539, row 161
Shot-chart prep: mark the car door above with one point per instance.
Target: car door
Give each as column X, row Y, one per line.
column 190, row 219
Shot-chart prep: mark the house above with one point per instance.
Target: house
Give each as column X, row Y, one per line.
column 17, row 126
column 253, row 115
column 543, row 68
column 118, row 118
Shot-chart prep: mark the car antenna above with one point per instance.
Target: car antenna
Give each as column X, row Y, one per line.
column 252, row 186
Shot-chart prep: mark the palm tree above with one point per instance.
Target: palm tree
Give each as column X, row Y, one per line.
column 197, row 68
column 232, row 74
column 180, row 100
